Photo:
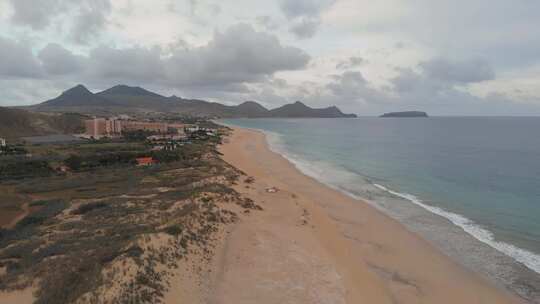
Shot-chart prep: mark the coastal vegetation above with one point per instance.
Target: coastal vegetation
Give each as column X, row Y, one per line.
column 107, row 230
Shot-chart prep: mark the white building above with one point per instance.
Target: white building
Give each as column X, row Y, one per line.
column 2, row 142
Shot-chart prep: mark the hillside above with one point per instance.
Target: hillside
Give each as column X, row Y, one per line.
column 15, row 123
column 299, row 109
column 126, row 99
column 77, row 96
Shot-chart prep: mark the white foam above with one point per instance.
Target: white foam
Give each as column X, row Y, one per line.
column 324, row 172
column 529, row 259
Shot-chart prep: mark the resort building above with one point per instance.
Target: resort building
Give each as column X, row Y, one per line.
column 97, row 127
column 101, row 127
column 145, row 126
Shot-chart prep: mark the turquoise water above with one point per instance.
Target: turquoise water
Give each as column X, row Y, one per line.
column 474, row 181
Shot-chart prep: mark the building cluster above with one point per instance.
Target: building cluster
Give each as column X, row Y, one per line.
column 102, row 127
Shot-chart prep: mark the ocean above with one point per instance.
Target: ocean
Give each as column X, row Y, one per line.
column 469, row 185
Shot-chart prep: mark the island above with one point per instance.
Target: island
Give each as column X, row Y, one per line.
column 407, row 114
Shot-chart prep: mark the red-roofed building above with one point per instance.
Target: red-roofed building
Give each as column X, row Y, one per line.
column 145, row 161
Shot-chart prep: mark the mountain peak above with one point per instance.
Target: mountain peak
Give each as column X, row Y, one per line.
column 123, row 99
column 250, row 103
column 123, row 89
column 252, row 108
column 79, row 95
column 78, row 90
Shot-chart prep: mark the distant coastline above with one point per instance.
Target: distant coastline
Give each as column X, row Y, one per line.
column 406, row 114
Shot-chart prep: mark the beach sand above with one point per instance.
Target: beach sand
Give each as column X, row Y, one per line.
column 313, row 244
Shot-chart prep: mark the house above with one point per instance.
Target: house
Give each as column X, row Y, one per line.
column 145, row 161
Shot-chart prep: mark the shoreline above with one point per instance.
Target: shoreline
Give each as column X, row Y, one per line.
column 510, row 268
column 377, row 248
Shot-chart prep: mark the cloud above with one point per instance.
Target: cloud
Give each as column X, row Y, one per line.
column 57, row 60
column 90, row 20
column 349, row 63
column 36, row 14
column 437, row 86
column 467, row 71
column 301, row 8
column 240, row 54
column 86, row 17
column 17, row 60
column 306, row 27
column 135, row 64
column 232, row 58
column 351, row 87
column 305, row 16
column 267, row 22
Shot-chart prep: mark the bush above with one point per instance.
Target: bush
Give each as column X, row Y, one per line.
column 174, row 230
column 49, row 210
column 24, row 169
column 74, row 162
column 89, row 207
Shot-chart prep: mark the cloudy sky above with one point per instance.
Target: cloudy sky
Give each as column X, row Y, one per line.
column 448, row 57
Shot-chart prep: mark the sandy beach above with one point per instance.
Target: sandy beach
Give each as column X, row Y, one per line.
column 313, row 244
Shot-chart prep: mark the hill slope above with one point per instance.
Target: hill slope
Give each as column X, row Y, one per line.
column 15, row 123
column 299, row 109
column 77, row 96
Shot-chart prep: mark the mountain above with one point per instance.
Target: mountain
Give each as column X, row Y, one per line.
column 251, row 109
column 126, row 99
column 124, row 90
column 135, row 97
column 407, row 114
column 15, row 123
column 299, row 109
column 77, row 96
